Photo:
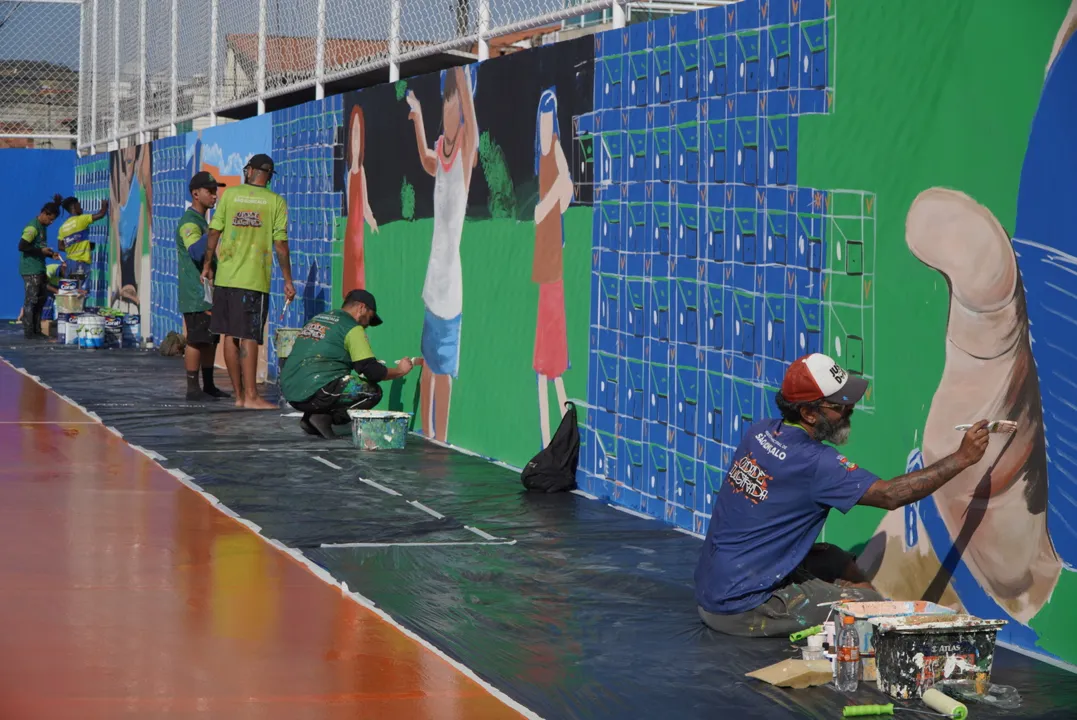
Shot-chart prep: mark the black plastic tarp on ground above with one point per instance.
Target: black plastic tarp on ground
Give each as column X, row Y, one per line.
column 589, row 613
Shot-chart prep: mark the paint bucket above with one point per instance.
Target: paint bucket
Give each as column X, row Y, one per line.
column 283, row 340
column 132, row 330
column 863, row 612
column 379, row 429
column 113, row 331
column 69, row 303
column 91, row 331
column 914, row 652
column 71, row 330
column 67, row 285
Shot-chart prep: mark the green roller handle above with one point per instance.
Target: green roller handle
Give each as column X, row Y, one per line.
column 867, row 710
column 807, row 632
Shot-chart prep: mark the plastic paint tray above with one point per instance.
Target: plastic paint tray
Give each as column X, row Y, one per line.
column 379, row 429
column 914, row 652
column 285, row 339
column 865, row 611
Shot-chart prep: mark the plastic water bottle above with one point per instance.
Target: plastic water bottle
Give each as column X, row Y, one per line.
column 847, row 656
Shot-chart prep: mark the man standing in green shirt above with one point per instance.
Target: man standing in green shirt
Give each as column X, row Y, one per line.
column 191, row 244
column 321, row 377
column 250, row 221
column 33, row 250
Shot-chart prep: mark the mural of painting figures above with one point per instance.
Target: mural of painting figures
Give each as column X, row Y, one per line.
column 357, row 202
column 1002, row 533
column 130, row 203
column 450, row 163
column 555, row 195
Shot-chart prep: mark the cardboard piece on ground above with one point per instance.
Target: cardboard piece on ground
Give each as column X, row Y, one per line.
column 795, row 673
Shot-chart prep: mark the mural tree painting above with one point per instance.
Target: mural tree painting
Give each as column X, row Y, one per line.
column 450, row 163
column 357, row 209
column 131, row 199
column 555, row 196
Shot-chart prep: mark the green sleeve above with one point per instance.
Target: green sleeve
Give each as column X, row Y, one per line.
column 190, row 233
column 357, row 345
column 280, row 221
column 217, row 223
column 29, row 233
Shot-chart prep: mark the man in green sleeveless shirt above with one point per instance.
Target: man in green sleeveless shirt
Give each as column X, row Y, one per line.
column 323, row 375
column 191, row 243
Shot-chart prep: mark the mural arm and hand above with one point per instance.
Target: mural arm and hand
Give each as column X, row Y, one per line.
column 471, row 122
column 368, row 214
column 907, row 489
column 426, row 155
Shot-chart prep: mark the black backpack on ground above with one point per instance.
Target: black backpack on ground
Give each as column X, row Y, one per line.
column 554, row 469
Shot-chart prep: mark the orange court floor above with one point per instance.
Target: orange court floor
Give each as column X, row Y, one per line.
column 124, row 593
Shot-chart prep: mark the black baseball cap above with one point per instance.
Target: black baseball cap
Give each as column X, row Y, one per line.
column 261, row 161
column 365, row 297
column 203, row 179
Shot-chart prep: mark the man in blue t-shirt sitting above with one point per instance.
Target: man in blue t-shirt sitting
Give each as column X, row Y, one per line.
column 760, row 572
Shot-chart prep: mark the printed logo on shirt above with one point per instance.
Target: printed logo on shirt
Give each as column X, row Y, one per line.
column 247, row 218
column 847, row 463
column 771, row 445
column 313, row 331
column 748, row 479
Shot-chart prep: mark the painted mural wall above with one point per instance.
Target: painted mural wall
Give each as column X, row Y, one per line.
column 654, row 221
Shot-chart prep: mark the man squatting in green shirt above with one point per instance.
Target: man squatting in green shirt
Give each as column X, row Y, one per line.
column 250, row 225
column 321, row 377
column 191, row 241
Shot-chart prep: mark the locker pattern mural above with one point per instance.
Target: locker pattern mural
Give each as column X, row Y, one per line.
column 712, row 269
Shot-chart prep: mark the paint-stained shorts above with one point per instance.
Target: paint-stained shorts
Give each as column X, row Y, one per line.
column 198, row 332
column 802, row 601
column 239, row 313
column 441, row 344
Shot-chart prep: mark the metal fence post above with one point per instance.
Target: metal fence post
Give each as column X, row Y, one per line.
column 319, row 55
column 93, row 82
column 115, row 143
column 174, row 80
column 484, row 29
column 261, row 86
column 618, row 14
column 394, row 40
column 80, row 132
column 142, row 134
column 214, row 21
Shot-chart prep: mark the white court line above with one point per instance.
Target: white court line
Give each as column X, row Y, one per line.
column 265, row 450
column 379, row 486
column 416, row 544
column 425, row 509
column 319, row 572
column 484, row 535
column 325, row 462
column 48, row 422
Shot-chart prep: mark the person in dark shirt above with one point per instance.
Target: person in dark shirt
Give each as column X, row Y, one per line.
column 324, row 374
column 760, row 571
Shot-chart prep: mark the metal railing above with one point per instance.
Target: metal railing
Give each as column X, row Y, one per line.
column 150, row 65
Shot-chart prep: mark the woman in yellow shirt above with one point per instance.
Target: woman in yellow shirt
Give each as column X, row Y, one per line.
column 74, row 237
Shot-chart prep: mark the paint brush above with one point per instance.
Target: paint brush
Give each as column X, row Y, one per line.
column 1007, row 427
column 286, row 304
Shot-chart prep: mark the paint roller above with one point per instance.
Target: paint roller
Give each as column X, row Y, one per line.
column 944, row 706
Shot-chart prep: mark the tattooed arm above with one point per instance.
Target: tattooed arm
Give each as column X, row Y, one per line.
column 914, row 486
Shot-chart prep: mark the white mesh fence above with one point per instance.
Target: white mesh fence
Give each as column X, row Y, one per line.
column 39, row 64
column 183, row 59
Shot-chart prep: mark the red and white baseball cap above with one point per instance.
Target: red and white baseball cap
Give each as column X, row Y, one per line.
column 817, row 377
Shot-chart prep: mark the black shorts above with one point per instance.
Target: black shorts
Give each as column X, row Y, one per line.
column 198, row 332
column 240, row 313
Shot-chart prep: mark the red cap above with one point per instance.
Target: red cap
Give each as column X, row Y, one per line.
column 817, row 377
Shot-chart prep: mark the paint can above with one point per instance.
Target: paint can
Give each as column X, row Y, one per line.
column 68, row 303
column 863, row 612
column 113, row 331
column 283, row 340
column 914, row 652
column 379, row 429
column 132, row 330
column 71, row 330
column 91, row 332
column 68, row 285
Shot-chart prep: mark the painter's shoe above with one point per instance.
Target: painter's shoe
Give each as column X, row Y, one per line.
column 216, row 393
column 199, row 396
column 309, row 429
column 323, row 423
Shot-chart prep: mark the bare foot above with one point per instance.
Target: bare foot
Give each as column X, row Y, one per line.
column 257, row 403
column 240, row 401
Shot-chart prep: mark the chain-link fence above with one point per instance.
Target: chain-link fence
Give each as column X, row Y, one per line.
column 150, row 64
column 39, row 73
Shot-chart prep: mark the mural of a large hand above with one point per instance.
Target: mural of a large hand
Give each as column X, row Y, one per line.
column 995, row 512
